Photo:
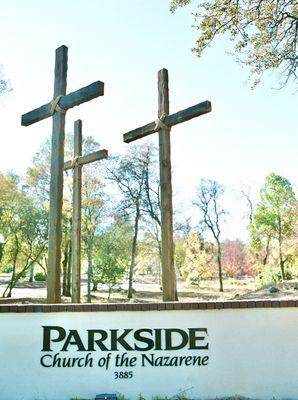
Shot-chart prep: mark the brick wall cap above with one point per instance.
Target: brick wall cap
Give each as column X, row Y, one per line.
column 155, row 306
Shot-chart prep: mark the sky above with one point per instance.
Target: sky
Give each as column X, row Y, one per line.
column 248, row 134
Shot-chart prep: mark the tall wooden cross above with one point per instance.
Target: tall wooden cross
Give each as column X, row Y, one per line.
column 76, row 164
column 57, row 109
column 163, row 125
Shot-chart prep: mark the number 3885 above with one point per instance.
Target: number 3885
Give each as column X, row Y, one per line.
column 123, row 375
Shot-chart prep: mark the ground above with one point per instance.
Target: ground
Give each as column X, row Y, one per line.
column 146, row 290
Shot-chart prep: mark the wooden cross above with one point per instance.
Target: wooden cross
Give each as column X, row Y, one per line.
column 76, row 164
column 162, row 125
column 57, row 108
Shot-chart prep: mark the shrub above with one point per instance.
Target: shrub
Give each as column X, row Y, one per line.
column 40, row 277
column 272, row 275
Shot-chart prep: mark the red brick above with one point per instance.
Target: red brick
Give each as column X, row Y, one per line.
column 169, row 306
column 121, row 307
column 202, row 306
column 181, row 306
column 162, row 306
column 219, row 305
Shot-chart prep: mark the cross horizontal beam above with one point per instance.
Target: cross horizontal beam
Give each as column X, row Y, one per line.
column 170, row 120
column 68, row 101
column 89, row 158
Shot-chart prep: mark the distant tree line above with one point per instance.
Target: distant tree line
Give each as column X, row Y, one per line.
column 121, row 226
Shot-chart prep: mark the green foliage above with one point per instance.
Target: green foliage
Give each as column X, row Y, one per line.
column 271, row 275
column 275, row 217
column 264, row 32
column 40, row 277
column 112, row 254
column 24, row 227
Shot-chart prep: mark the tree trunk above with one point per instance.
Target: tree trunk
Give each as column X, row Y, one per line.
column 13, row 278
column 219, row 265
column 157, row 226
column 94, row 288
column 265, row 259
column 64, row 268
column 68, row 273
column 1, row 251
column 176, row 291
column 89, row 273
column 31, row 277
column 133, row 252
column 281, row 260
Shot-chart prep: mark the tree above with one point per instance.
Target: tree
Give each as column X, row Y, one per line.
column 8, row 193
column 25, row 232
column 93, row 210
column 209, row 194
column 246, row 194
column 233, row 257
column 38, row 186
column 275, row 217
column 150, row 198
column 198, row 260
column 265, row 32
column 112, row 255
column 38, row 179
column 128, row 172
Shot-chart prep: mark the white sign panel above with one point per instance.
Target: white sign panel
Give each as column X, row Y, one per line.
column 198, row 354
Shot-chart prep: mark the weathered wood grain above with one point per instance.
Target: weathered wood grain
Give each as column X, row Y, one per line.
column 56, row 184
column 87, row 159
column 166, row 207
column 77, row 205
column 68, row 101
column 57, row 161
column 167, row 256
column 76, row 217
column 170, row 120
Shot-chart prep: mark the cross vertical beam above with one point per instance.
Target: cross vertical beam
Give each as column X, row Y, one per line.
column 76, row 165
column 56, row 109
column 56, row 184
column 162, row 125
column 76, row 216
column 167, row 245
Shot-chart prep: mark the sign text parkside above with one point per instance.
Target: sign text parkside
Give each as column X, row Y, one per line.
column 106, row 344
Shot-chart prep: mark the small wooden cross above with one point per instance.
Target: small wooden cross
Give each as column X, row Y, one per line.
column 57, row 108
column 162, row 125
column 76, row 164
